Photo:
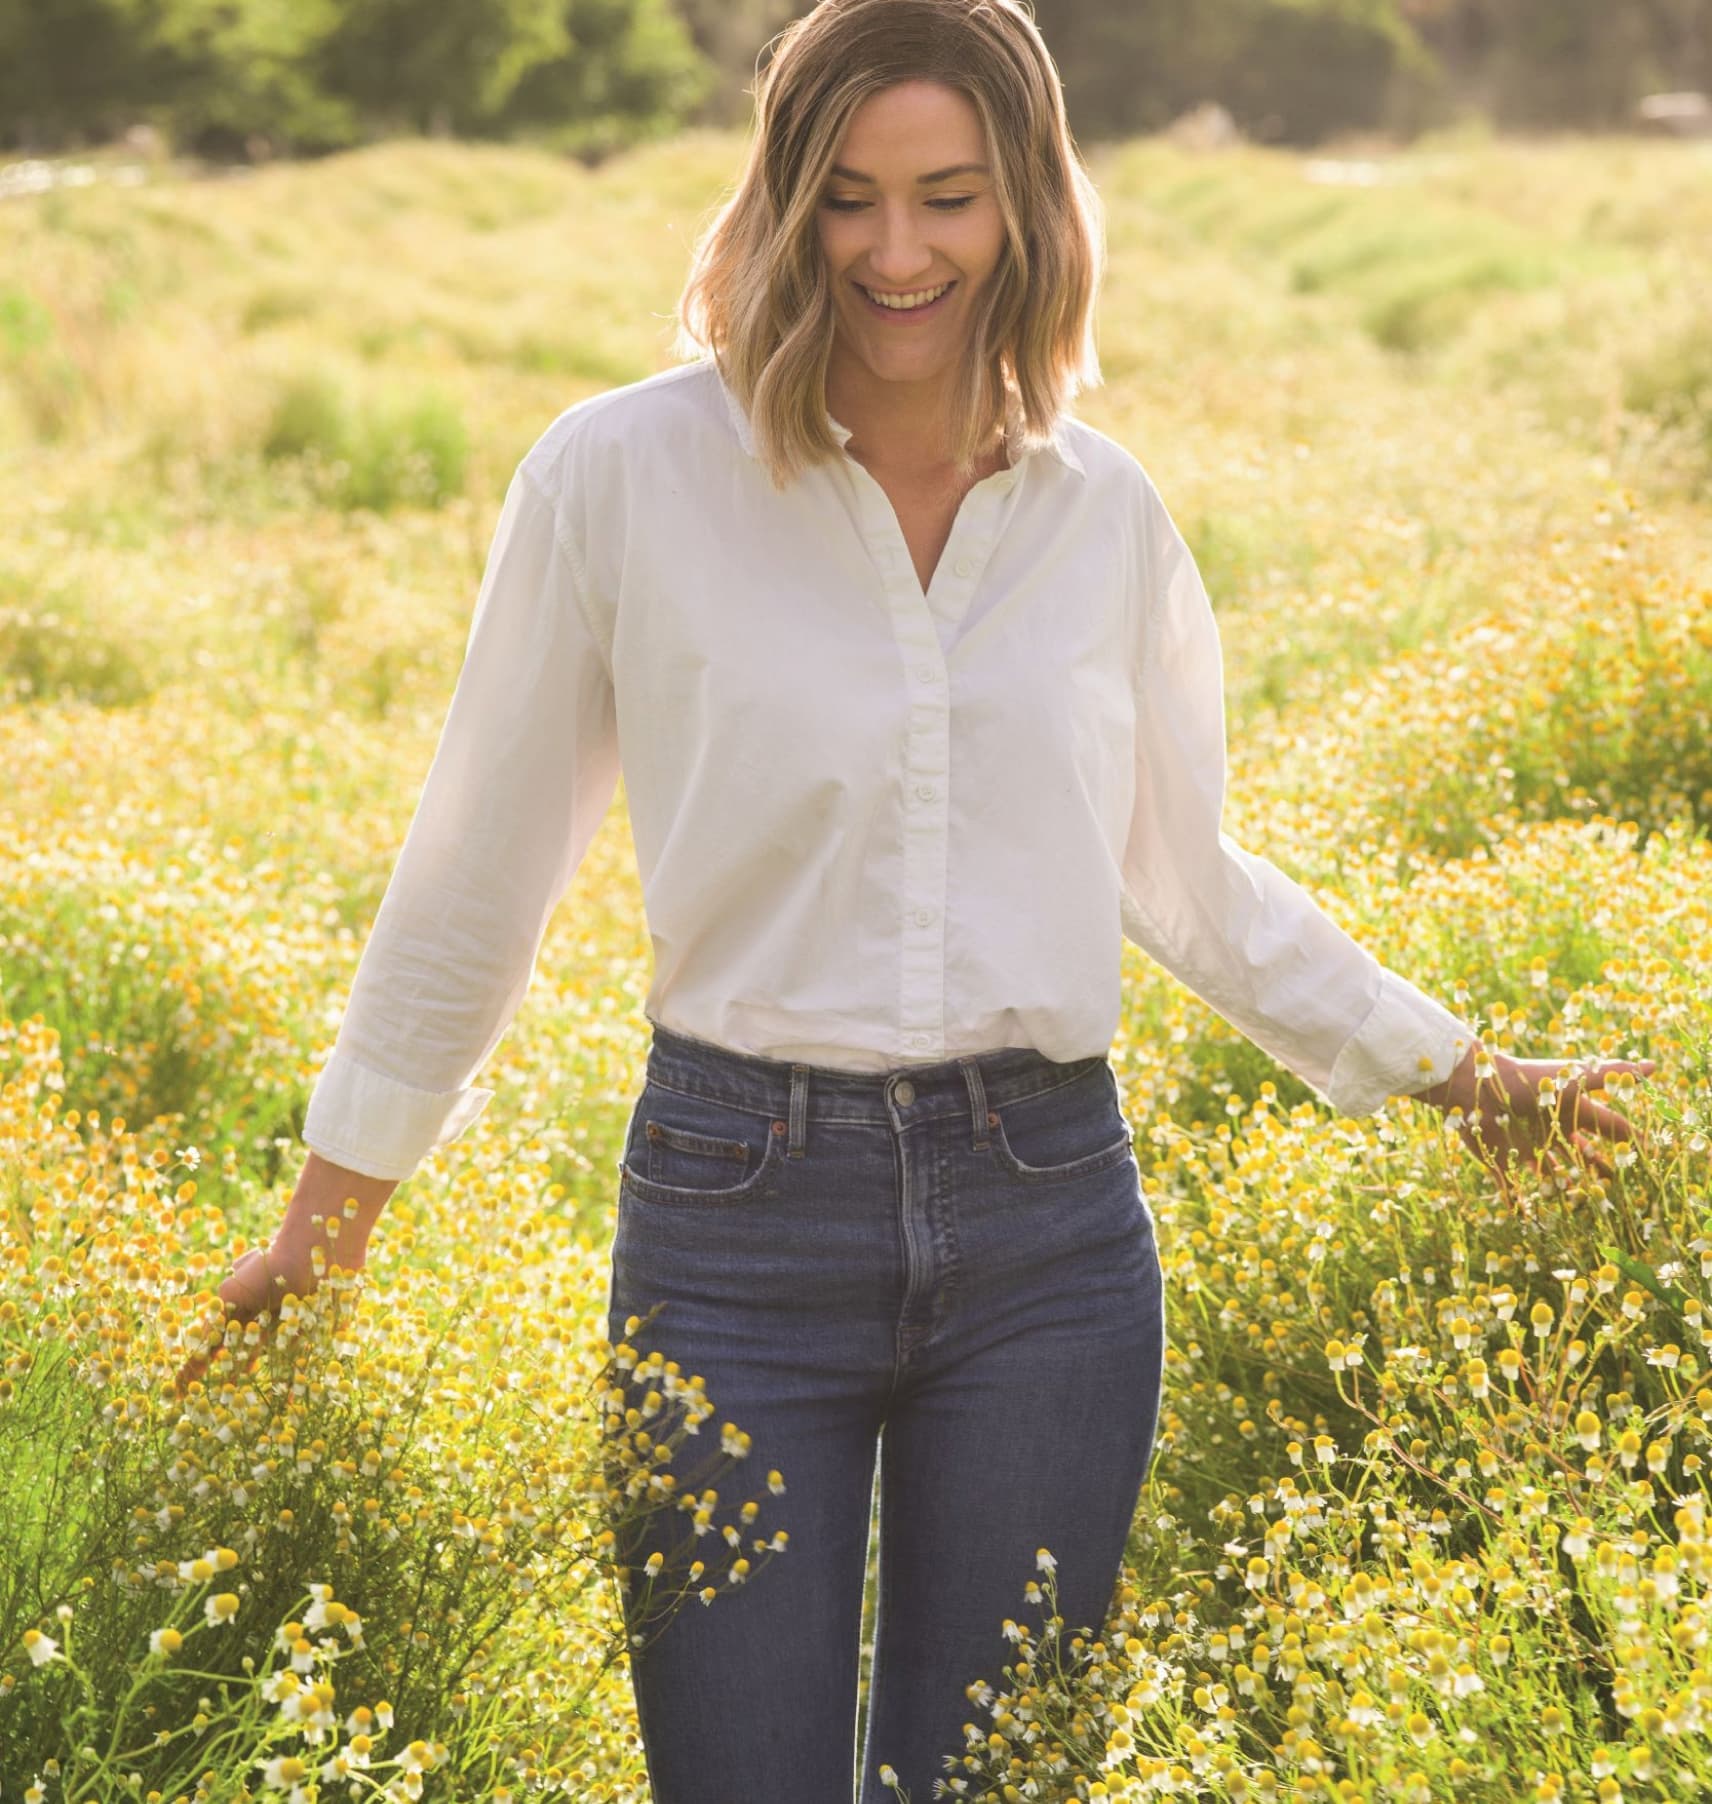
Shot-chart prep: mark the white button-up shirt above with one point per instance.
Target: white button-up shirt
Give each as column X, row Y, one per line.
column 874, row 826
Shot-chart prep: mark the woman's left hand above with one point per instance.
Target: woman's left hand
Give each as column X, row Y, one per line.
column 1519, row 1107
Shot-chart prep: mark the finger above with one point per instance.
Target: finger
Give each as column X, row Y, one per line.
column 1580, row 1111
column 1594, row 1074
column 1611, row 1127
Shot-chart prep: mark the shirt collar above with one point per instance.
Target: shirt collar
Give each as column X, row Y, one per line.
column 1058, row 444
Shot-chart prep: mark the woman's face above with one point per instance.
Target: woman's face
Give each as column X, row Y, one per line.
column 910, row 214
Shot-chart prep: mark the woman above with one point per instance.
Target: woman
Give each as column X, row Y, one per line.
column 917, row 694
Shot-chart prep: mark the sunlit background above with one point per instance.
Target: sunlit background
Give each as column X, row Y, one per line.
column 1407, row 317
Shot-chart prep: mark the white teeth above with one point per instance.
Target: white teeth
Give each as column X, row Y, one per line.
column 903, row 303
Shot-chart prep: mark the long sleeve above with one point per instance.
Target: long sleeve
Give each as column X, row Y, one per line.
column 1226, row 922
column 525, row 768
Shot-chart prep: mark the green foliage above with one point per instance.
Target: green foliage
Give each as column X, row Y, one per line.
column 452, row 63
column 397, row 450
column 1287, row 69
column 629, row 70
column 73, row 67
column 232, row 68
column 1429, row 302
column 318, row 75
column 591, row 76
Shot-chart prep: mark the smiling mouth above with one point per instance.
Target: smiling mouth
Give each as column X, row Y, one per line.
column 917, row 300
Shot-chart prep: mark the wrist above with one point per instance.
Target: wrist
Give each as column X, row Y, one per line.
column 299, row 1235
column 1458, row 1090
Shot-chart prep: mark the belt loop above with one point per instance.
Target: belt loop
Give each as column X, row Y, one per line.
column 977, row 1101
column 799, row 1110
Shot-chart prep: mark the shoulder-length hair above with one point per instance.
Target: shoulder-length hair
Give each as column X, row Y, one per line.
column 758, row 297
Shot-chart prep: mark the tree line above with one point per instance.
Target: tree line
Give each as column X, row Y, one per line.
column 244, row 77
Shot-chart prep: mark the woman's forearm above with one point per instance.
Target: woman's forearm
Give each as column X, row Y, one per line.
column 320, row 1200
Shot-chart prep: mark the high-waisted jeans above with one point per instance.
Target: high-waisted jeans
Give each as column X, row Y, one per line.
column 946, row 1267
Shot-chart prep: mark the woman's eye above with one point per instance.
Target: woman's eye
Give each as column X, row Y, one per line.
column 944, row 203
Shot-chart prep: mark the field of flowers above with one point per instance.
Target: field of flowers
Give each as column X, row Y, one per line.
column 1429, row 1516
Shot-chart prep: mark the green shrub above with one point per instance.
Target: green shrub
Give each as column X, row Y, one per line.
column 52, row 649
column 391, row 451
column 1672, row 381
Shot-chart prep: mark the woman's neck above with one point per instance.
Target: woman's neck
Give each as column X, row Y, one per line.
column 903, row 426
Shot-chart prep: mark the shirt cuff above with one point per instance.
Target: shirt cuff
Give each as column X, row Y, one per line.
column 371, row 1123
column 1383, row 1057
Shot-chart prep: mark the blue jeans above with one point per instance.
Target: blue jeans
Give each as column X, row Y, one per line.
column 949, row 1268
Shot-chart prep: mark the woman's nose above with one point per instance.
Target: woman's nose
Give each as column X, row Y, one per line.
column 899, row 251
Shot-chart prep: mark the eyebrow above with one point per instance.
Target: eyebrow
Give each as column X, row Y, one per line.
column 937, row 175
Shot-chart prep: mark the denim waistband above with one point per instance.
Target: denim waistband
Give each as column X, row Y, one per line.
column 795, row 1091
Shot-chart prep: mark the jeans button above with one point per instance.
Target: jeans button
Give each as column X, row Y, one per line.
column 905, row 1092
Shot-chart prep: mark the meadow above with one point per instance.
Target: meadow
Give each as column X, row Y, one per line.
column 1429, row 1512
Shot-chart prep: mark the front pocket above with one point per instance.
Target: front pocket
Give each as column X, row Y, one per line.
column 691, row 1161
column 686, row 1148
column 1071, row 1132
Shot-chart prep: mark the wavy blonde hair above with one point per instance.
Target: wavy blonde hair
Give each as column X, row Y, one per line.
column 758, row 297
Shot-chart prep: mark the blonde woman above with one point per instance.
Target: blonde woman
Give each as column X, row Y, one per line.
column 918, row 699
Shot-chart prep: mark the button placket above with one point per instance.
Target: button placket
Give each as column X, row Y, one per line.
column 974, row 531
column 924, row 624
column 927, row 768
column 925, row 774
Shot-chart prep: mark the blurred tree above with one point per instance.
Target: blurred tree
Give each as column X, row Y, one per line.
column 629, row 67
column 1285, row 69
column 218, row 75
column 591, row 74
column 1299, row 69
column 70, row 68
column 438, row 65
column 227, row 72
column 731, row 34
column 1566, row 63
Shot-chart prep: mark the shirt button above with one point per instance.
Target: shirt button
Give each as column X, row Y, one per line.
column 923, row 916
column 926, row 672
column 965, row 566
column 925, row 791
column 904, row 1092
column 916, row 1039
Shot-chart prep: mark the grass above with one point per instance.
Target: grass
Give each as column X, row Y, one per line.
column 1428, row 1514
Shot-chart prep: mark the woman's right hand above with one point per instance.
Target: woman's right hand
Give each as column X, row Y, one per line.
column 331, row 1214
column 258, row 1282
